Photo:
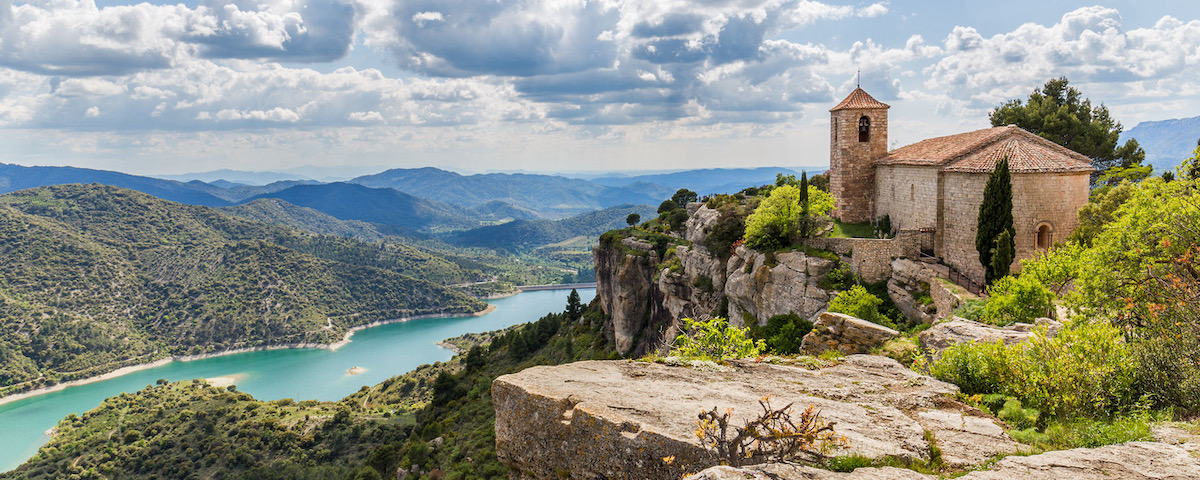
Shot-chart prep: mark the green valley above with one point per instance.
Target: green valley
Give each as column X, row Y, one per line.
column 93, row 278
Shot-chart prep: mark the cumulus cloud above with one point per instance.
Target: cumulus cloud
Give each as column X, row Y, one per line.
column 1087, row 45
column 74, row 37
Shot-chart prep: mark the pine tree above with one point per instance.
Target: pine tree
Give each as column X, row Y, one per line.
column 995, row 216
column 574, row 305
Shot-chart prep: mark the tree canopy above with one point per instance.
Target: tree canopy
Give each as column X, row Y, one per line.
column 1059, row 113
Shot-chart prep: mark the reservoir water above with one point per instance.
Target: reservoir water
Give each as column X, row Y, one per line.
column 384, row 351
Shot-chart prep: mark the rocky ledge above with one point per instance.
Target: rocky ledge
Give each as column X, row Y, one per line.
column 620, row 419
column 1129, row 461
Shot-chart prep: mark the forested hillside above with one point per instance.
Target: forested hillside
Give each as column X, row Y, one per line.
column 93, row 278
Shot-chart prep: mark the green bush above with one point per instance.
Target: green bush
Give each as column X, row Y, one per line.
column 776, row 220
column 715, row 340
column 970, row 310
column 1017, row 415
column 858, row 302
column 783, row 333
column 977, row 368
column 1085, row 370
column 1017, row 299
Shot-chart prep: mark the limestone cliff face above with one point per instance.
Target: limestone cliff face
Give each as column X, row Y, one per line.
column 634, row 304
column 646, row 295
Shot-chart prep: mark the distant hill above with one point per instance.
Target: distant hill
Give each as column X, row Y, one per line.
column 347, row 201
column 548, row 195
column 524, row 235
column 16, row 177
column 93, row 278
column 1167, row 142
column 706, row 181
column 236, row 192
column 236, row 176
column 276, row 211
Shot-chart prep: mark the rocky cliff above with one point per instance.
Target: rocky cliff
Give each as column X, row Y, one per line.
column 646, row 286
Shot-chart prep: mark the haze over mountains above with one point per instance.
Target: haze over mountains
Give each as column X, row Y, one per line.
column 1167, row 142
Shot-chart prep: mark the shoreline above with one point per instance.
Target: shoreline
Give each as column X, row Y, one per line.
column 201, row 356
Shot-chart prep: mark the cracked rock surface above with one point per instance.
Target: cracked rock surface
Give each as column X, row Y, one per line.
column 620, row 419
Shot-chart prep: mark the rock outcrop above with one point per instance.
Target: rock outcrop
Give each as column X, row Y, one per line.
column 620, row 419
column 960, row 330
column 846, row 334
column 646, row 291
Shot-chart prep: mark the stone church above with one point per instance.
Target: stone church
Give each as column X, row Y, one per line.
column 935, row 186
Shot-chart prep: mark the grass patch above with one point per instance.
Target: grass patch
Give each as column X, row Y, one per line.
column 852, row 230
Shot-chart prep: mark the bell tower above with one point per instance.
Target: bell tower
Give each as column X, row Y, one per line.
column 858, row 131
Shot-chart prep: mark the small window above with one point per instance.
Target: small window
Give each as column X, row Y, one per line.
column 912, row 192
column 864, row 129
column 1045, row 237
column 835, row 131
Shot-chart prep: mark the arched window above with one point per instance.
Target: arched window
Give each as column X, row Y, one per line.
column 864, row 129
column 1045, row 236
column 835, row 132
column 912, row 192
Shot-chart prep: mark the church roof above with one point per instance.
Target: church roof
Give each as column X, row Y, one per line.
column 859, row 98
column 978, row 152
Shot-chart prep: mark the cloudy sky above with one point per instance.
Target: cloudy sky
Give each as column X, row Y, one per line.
column 549, row 85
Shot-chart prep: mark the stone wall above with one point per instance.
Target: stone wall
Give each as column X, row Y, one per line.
column 871, row 258
column 1038, row 199
column 1046, row 199
column 962, row 193
column 852, row 163
column 908, row 195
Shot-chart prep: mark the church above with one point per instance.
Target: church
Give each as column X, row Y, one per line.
column 935, row 186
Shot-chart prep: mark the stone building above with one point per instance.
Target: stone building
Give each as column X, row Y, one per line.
column 936, row 185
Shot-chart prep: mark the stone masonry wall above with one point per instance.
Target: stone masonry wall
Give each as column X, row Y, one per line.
column 1038, row 198
column 852, row 163
column 1046, row 199
column 871, row 258
column 908, row 194
column 962, row 193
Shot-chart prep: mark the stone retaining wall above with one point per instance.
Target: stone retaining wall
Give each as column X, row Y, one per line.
column 871, row 258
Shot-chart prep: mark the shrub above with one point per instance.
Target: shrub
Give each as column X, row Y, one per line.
column 1085, row 370
column 782, row 333
column 1017, row 299
column 772, row 436
column 977, row 368
column 858, row 302
column 714, row 340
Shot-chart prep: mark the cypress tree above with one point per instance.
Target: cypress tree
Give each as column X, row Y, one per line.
column 1002, row 255
column 805, row 221
column 995, row 216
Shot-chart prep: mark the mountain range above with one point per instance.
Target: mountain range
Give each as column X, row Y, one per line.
column 1167, row 142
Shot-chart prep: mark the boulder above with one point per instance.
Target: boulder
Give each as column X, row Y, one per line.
column 960, row 330
column 846, row 334
column 620, row 419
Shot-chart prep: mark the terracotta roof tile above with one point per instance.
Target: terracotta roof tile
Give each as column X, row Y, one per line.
column 978, row 151
column 859, row 98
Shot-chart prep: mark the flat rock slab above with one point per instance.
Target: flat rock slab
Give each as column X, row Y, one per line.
column 774, row 471
column 1128, row 461
column 620, row 419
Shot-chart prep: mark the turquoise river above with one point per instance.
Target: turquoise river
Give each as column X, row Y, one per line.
column 300, row 374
